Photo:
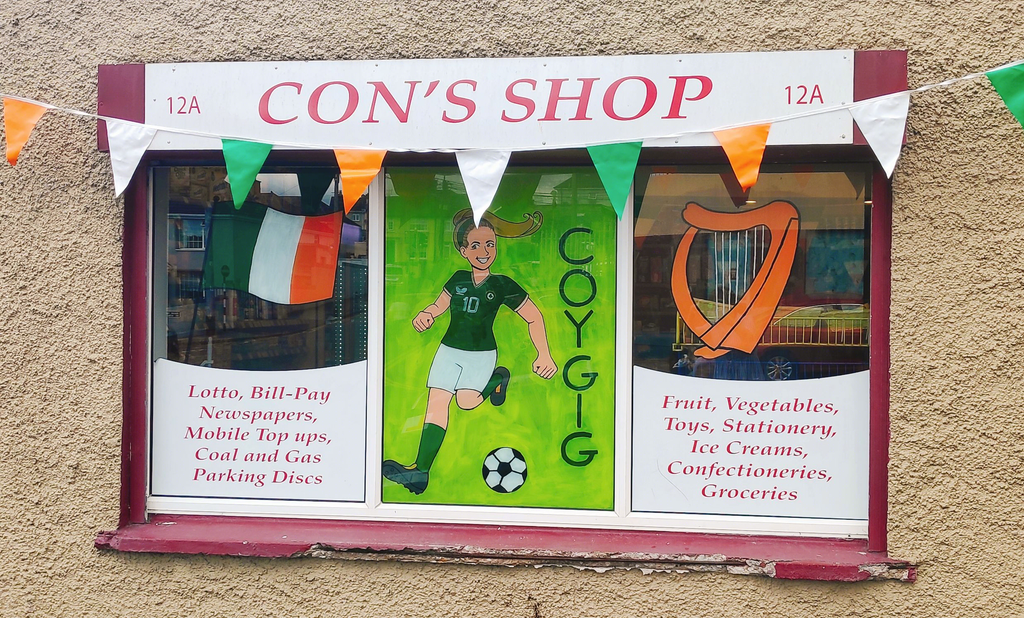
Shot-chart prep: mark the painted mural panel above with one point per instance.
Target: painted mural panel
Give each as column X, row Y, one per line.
column 499, row 341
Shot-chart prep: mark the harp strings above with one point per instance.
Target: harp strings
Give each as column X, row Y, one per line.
column 737, row 256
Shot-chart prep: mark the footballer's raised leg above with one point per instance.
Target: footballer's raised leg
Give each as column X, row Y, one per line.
column 497, row 386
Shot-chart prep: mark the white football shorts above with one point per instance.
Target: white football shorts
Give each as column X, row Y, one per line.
column 455, row 370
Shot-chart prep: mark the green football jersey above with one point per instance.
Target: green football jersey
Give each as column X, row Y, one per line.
column 474, row 307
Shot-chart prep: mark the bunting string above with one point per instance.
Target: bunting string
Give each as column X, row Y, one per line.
column 306, row 146
column 881, row 119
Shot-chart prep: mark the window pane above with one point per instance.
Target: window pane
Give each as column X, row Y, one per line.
column 750, row 342
column 259, row 386
column 214, row 320
column 193, row 233
column 803, row 297
column 504, row 296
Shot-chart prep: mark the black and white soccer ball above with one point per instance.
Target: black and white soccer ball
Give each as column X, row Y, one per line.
column 504, row 470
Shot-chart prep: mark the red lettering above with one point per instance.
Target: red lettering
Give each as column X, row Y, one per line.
column 381, row 89
column 815, row 94
column 670, row 470
column 555, row 96
column 515, row 99
column 703, row 448
column 314, row 102
column 461, row 101
column 265, row 103
column 680, row 89
column 282, row 476
column 650, row 97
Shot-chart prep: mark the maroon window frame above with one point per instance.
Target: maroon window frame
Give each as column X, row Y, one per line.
column 121, row 95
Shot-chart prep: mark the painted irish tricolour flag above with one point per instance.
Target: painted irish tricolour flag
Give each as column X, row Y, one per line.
column 282, row 258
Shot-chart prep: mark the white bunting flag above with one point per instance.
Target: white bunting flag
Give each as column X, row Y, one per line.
column 883, row 120
column 482, row 171
column 128, row 142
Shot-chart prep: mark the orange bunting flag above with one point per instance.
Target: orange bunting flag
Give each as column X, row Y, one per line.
column 20, row 118
column 745, row 147
column 358, row 169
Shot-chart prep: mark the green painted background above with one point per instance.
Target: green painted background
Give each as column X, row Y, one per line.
column 539, row 414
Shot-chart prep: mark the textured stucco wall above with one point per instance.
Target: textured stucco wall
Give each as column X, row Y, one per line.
column 955, row 491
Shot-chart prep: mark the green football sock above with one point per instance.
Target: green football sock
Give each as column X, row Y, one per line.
column 430, row 443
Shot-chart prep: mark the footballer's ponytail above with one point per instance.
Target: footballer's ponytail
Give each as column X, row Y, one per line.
column 463, row 222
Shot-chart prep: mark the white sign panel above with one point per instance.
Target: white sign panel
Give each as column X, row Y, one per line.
column 504, row 103
column 221, row 433
column 789, row 449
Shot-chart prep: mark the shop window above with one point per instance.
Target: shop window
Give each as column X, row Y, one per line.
column 700, row 365
column 700, row 380
column 499, row 341
column 262, row 303
column 750, row 342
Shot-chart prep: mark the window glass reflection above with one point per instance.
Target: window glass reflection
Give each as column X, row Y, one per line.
column 768, row 285
column 213, row 319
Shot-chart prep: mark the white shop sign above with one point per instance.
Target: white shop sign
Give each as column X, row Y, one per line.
column 793, row 449
column 502, row 103
column 221, row 433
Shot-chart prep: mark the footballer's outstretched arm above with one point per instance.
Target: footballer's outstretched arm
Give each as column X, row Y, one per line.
column 425, row 319
column 544, row 366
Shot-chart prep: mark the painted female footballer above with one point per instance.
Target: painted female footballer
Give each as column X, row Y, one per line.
column 464, row 365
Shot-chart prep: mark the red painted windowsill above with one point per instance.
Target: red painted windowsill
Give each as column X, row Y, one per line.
column 782, row 558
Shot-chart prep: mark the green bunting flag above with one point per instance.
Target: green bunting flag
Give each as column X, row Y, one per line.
column 243, row 160
column 616, row 164
column 1009, row 83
